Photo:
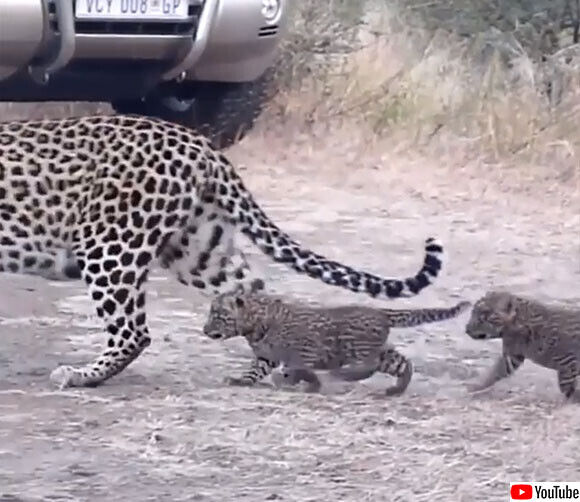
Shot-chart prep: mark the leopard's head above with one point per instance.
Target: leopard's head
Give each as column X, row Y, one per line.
column 490, row 314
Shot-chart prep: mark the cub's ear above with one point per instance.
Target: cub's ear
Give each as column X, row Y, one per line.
column 257, row 285
column 240, row 302
column 507, row 307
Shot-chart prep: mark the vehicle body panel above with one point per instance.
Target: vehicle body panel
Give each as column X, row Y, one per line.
column 46, row 53
column 21, row 33
column 239, row 33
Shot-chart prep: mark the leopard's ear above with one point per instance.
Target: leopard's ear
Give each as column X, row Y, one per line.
column 240, row 302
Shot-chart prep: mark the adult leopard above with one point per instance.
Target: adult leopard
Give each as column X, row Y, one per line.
column 107, row 196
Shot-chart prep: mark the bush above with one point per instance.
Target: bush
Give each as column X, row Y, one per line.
column 492, row 72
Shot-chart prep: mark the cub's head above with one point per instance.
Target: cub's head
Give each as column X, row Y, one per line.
column 225, row 313
column 490, row 314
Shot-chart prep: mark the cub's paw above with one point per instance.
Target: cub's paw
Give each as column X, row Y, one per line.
column 278, row 379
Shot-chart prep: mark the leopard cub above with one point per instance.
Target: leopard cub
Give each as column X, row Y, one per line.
column 304, row 338
column 546, row 334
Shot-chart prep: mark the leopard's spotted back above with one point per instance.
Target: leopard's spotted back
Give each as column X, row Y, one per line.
column 549, row 335
column 318, row 337
column 106, row 197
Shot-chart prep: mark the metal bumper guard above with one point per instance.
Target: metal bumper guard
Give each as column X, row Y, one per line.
column 66, row 22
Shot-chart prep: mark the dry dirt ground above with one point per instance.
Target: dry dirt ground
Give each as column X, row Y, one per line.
column 168, row 429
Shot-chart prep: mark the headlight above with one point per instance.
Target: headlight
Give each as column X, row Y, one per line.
column 271, row 9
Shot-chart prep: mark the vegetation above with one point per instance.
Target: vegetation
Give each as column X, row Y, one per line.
column 503, row 75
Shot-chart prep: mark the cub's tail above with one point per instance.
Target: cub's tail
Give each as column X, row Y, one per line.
column 415, row 317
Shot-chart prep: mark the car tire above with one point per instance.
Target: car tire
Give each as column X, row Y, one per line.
column 224, row 112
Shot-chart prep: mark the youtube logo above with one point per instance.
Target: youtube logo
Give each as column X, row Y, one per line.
column 521, row 492
column 545, row 490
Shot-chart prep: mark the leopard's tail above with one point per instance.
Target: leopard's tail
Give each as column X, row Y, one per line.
column 414, row 317
column 253, row 221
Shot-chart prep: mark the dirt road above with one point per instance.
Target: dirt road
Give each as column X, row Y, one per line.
column 168, row 430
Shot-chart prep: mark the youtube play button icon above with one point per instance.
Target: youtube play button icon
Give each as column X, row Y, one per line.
column 521, row 492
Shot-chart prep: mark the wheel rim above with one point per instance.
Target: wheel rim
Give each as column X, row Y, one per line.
column 176, row 104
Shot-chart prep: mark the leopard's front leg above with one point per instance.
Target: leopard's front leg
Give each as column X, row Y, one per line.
column 261, row 367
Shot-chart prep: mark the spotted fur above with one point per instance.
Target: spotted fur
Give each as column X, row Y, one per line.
column 302, row 337
column 106, row 197
column 546, row 334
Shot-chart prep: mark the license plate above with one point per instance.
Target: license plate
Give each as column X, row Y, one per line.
column 132, row 9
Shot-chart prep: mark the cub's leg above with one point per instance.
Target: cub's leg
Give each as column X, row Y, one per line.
column 361, row 371
column 294, row 375
column 293, row 369
column 395, row 364
column 504, row 367
column 567, row 374
column 203, row 255
column 354, row 373
column 260, row 369
column 115, row 273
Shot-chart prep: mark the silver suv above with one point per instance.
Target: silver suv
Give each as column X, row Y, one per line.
column 206, row 64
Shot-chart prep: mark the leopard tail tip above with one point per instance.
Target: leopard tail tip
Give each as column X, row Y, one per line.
column 433, row 262
column 434, row 254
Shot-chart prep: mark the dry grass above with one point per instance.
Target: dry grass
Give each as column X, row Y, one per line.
column 487, row 97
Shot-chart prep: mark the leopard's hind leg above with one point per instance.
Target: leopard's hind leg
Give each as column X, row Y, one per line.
column 204, row 255
column 115, row 259
column 116, row 285
column 116, row 272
